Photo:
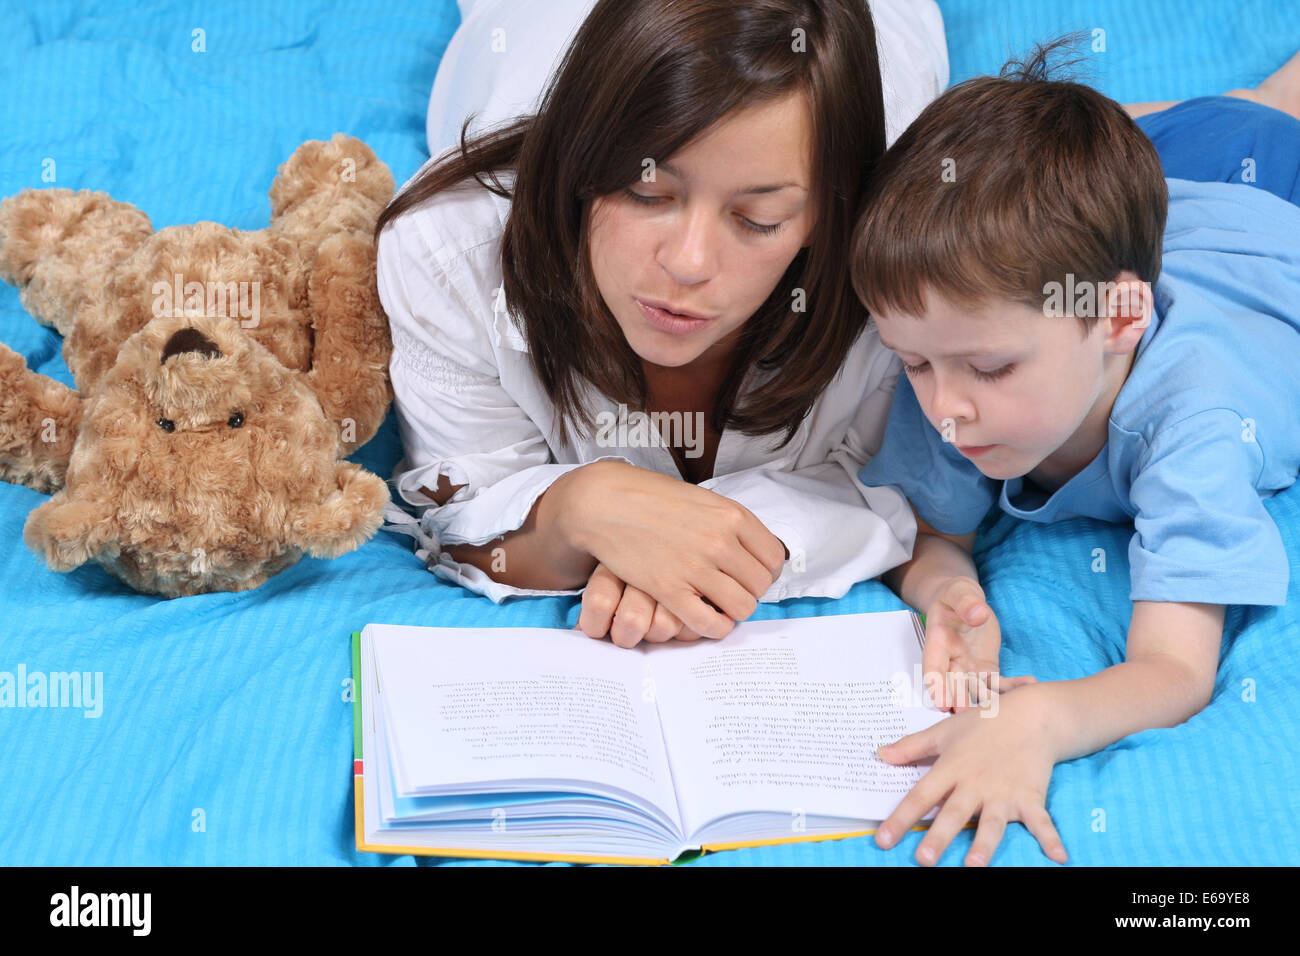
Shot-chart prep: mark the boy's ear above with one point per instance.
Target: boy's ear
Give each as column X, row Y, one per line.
column 1129, row 306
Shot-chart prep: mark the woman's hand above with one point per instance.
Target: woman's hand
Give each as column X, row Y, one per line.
column 627, row 614
column 705, row 558
column 962, row 643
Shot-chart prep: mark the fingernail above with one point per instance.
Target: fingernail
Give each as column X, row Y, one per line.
column 926, row 855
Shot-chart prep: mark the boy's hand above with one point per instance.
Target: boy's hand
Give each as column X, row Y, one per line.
column 962, row 643
column 997, row 767
column 627, row 614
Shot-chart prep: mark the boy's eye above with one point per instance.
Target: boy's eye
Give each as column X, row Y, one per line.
column 979, row 373
column 994, row 375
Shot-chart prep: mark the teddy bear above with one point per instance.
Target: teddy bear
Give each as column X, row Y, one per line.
column 221, row 377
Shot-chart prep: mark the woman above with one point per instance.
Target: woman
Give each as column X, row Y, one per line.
column 706, row 157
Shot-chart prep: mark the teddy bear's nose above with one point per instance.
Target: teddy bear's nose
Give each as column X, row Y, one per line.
column 189, row 340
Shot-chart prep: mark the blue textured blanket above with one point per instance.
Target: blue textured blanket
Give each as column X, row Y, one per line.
column 223, row 733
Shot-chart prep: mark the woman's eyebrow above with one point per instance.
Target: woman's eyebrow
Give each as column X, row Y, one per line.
column 672, row 170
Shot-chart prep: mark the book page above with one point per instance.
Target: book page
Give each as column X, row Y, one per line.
column 472, row 709
column 784, row 716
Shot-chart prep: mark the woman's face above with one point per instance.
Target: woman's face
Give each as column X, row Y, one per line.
column 700, row 240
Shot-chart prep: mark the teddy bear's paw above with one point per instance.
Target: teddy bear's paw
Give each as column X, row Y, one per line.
column 342, row 169
column 57, row 236
column 67, row 532
column 39, row 419
column 40, row 478
column 13, row 369
column 346, row 519
column 26, row 229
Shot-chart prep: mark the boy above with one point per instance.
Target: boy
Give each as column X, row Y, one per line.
column 1011, row 254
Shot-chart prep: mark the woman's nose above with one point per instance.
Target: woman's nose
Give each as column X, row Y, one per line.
column 690, row 254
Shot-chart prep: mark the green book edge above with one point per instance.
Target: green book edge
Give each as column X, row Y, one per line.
column 356, row 695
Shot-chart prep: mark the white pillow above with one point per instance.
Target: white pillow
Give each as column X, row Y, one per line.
column 499, row 86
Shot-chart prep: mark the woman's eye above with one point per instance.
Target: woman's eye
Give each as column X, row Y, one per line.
column 749, row 224
column 644, row 200
column 758, row 227
column 915, row 369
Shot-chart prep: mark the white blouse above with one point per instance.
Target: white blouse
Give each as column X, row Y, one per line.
column 469, row 405
column 500, row 56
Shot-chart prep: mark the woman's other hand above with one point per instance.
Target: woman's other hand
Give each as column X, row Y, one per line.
column 627, row 614
column 705, row 558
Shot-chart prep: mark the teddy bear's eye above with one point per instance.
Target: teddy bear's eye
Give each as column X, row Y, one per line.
column 166, row 424
column 236, row 419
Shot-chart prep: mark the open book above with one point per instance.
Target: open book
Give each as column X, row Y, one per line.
column 544, row 744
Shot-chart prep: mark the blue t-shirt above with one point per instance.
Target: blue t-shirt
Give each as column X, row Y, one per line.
column 1205, row 426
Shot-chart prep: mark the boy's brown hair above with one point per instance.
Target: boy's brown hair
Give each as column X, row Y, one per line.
column 1005, row 184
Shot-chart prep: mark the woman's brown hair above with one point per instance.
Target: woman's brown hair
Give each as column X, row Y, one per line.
column 641, row 79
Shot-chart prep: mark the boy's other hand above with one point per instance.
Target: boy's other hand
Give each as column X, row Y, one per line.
column 962, row 642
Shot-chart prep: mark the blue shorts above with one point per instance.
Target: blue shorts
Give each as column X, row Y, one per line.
column 1228, row 140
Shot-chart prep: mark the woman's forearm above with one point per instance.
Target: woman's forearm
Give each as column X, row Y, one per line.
column 536, row 555
column 935, row 561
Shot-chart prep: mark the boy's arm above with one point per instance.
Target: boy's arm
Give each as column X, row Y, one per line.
column 999, row 768
column 963, row 639
column 1168, row 676
column 936, row 559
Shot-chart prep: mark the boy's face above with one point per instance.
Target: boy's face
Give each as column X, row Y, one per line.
column 1031, row 386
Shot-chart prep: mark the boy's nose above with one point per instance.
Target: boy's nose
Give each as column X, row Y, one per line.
column 950, row 409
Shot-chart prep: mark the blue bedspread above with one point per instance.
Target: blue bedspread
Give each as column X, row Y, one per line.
column 225, row 735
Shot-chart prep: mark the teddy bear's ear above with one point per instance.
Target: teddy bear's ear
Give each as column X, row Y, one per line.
column 69, row 531
column 346, row 519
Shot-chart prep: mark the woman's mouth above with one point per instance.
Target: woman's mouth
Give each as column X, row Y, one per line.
column 974, row 451
column 671, row 322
